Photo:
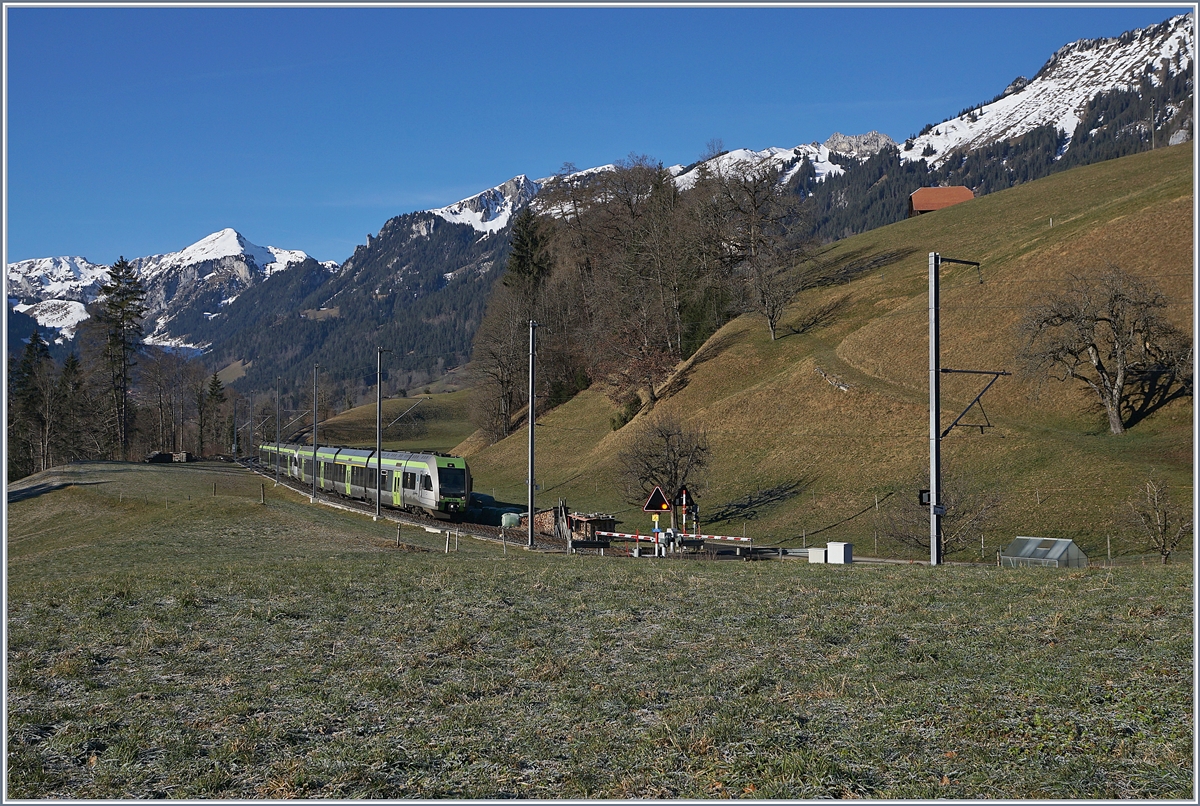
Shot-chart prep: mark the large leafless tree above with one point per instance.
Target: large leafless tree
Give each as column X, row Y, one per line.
column 1107, row 331
column 664, row 453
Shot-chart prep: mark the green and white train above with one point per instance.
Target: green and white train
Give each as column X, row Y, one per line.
column 436, row 483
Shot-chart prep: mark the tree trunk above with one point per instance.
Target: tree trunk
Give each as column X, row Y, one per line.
column 1115, row 425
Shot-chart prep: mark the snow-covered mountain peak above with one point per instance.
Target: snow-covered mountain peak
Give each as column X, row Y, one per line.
column 67, row 278
column 491, row 210
column 1059, row 92
column 54, row 290
column 226, row 243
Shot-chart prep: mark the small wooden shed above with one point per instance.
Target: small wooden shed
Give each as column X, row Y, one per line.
column 584, row 527
column 926, row 200
column 1052, row 551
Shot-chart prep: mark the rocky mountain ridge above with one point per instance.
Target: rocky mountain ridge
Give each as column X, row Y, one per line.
column 1061, row 90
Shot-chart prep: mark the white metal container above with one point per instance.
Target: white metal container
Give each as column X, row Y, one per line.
column 816, row 555
column 839, row 553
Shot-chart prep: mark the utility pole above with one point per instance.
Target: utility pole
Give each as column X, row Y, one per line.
column 532, row 420
column 235, row 430
column 379, row 428
column 278, row 380
column 935, row 439
column 314, row 465
column 936, row 508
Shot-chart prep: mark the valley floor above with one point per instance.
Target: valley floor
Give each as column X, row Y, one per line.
column 172, row 638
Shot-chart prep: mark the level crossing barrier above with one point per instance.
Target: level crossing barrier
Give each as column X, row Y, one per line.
column 661, row 538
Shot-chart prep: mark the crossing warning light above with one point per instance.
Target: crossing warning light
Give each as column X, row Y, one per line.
column 657, row 502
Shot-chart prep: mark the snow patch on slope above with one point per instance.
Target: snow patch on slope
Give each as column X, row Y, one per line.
column 62, row 314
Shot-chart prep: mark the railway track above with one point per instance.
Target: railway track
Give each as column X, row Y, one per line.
column 518, row 538
column 514, row 537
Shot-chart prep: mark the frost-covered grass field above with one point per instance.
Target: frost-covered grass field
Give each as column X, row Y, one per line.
column 163, row 641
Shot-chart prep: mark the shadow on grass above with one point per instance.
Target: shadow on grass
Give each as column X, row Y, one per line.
column 747, row 507
column 567, row 480
column 710, row 350
column 855, row 264
column 818, row 317
column 33, row 491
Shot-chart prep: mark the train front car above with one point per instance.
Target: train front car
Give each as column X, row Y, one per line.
column 453, row 485
column 439, row 485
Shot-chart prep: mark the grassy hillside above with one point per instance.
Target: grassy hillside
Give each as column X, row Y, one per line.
column 775, row 423
column 439, row 423
column 164, row 641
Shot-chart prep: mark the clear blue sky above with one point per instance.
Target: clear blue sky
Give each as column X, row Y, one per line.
column 138, row 131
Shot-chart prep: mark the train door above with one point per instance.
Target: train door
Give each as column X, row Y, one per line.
column 427, row 496
column 408, row 488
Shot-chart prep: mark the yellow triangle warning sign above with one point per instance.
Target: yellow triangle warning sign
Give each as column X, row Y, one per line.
column 657, row 502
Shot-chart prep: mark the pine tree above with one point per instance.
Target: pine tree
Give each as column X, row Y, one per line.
column 121, row 317
column 213, row 400
column 27, row 405
column 73, row 435
column 529, row 262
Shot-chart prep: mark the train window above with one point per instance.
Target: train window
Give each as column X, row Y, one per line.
column 427, row 483
column 357, row 476
column 410, row 480
column 452, row 481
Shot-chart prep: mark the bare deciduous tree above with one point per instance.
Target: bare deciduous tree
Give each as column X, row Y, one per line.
column 1107, row 332
column 500, row 360
column 1163, row 523
column 665, row 454
column 763, row 235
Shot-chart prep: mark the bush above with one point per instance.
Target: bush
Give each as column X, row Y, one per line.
column 630, row 410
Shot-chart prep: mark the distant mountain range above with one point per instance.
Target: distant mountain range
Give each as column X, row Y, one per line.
column 424, row 280
column 203, row 278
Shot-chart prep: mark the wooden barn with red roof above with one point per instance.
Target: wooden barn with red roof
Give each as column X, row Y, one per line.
column 926, row 200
